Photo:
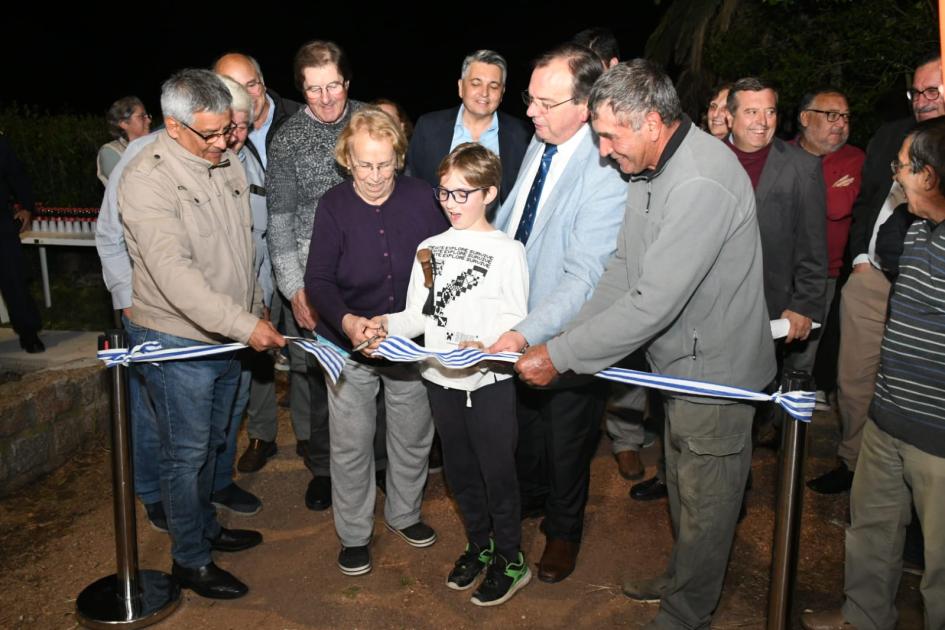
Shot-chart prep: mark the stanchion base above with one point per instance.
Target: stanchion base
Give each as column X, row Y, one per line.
column 100, row 605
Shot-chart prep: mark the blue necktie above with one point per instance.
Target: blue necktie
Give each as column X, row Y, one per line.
column 531, row 204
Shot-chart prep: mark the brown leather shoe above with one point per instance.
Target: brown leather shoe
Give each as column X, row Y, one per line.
column 558, row 560
column 629, row 465
column 257, row 454
column 827, row 620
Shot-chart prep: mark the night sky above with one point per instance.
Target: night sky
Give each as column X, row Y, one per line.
column 63, row 63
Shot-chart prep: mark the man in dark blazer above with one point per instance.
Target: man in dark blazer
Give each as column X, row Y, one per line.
column 792, row 213
column 481, row 86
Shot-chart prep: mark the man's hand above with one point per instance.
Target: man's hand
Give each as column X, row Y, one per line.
column 24, row 217
column 535, row 366
column 511, row 341
column 860, row 267
column 265, row 336
column 303, row 312
column 800, row 326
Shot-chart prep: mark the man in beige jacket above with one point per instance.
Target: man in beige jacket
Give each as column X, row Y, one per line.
column 184, row 203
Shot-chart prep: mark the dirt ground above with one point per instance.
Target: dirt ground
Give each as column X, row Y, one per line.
column 56, row 538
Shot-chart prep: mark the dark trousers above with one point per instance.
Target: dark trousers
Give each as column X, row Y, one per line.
column 558, row 433
column 478, row 441
column 23, row 314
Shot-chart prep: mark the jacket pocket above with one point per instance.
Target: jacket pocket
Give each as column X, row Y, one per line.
column 717, row 446
column 195, row 211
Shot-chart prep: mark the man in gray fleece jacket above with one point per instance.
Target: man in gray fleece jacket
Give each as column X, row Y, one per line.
column 686, row 283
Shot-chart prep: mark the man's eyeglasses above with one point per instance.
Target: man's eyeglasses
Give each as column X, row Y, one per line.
column 210, row 138
column 895, row 166
column 930, row 93
column 459, row 195
column 541, row 104
column 334, row 88
column 832, row 116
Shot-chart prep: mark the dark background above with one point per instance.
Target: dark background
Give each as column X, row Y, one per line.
column 81, row 61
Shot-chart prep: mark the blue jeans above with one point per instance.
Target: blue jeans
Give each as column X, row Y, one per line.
column 145, row 444
column 193, row 401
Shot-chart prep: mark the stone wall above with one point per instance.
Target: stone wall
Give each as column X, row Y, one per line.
column 46, row 417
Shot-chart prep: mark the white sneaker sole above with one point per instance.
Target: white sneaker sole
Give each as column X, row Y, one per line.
column 226, row 508
column 512, row 591
column 412, row 541
column 457, row 587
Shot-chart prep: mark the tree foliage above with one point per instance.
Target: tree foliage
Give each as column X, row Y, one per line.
column 58, row 152
column 865, row 48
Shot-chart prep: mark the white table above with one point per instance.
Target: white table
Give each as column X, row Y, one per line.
column 42, row 239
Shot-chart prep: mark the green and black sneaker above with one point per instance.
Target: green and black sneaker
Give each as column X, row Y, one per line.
column 503, row 580
column 470, row 565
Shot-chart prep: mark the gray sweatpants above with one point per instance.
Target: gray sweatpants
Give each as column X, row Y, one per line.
column 352, row 414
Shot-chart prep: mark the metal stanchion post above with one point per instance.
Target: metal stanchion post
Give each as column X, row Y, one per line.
column 787, row 516
column 129, row 598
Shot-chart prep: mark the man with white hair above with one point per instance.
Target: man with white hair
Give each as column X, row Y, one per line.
column 185, row 209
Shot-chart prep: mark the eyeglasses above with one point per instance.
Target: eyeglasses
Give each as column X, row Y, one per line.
column 334, row 88
column 832, row 116
column 895, row 166
column 365, row 169
column 930, row 93
column 210, row 138
column 541, row 104
column 253, row 85
column 142, row 116
column 459, row 195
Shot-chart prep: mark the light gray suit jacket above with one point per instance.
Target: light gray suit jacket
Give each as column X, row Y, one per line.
column 574, row 236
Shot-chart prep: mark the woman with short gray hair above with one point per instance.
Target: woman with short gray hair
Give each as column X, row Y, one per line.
column 127, row 120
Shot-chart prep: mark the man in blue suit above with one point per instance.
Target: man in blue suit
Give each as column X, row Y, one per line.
column 566, row 208
column 477, row 119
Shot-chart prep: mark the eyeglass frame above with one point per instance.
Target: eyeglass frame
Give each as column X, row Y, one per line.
column 896, row 166
column 913, row 93
column 832, row 116
column 528, row 99
column 211, row 138
column 142, row 114
column 343, row 84
column 452, row 193
column 382, row 169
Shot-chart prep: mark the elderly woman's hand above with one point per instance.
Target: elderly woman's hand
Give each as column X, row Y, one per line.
column 357, row 328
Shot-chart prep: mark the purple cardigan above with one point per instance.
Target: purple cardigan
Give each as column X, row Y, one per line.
column 361, row 255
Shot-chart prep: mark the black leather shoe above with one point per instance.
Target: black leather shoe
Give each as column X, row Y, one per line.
column 318, row 495
column 649, row 490
column 256, row 455
column 235, row 539
column 209, row 581
column 32, row 343
column 838, row 480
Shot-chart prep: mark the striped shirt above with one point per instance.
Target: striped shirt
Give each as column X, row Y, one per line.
column 909, row 400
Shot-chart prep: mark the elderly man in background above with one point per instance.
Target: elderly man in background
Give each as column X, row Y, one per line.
column 565, row 208
column 824, row 121
column 476, row 119
column 270, row 111
column 300, row 169
column 687, row 274
column 184, row 203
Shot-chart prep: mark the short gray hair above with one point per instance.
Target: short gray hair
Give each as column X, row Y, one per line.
column 241, row 100
column 193, row 91
column 490, row 57
column 634, row 88
column 121, row 110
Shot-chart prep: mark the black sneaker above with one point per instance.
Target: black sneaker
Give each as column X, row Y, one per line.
column 470, row 565
column 236, row 500
column 417, row 535
column 157, row 519
column 835, row 481
column 355, row 560
column 503, row 579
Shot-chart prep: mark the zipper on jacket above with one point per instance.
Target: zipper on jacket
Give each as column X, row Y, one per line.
column 695, row 340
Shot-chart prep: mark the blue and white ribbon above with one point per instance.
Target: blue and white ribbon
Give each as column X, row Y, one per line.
column 328, row 355
column 799, row 405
